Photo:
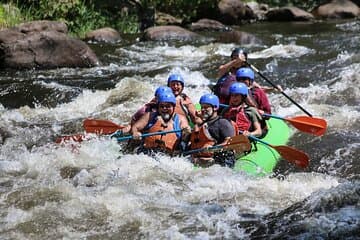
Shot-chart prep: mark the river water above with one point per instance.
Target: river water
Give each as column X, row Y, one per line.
column 93, row 191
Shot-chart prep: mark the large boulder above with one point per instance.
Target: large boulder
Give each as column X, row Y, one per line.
column 166, row 33
column 209, row 25
column 43, row 44
column 233, row 12
column 107, row 35
column 337, row 9
column 288, row 14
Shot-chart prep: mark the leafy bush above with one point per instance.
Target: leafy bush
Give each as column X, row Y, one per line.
column 10, row 15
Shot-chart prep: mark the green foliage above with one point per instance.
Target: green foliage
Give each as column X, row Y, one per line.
column 185, row 9
column 10, row 15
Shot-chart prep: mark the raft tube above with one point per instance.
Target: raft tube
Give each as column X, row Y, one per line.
column 263, row 159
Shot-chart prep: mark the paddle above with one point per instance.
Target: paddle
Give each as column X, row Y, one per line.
column 315, row 126
column 99, row 126
column 282, row 92
column 290, row 154
column 119, row 139
column 238, row 143
column 312, row 125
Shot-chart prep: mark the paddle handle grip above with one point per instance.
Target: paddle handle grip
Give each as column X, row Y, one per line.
column 256, row 139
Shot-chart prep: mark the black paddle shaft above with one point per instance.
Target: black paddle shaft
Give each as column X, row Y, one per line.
column 282, row 92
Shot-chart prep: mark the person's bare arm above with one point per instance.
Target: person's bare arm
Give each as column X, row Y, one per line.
column 139, row 125
column 185, row 127
column 235, row 63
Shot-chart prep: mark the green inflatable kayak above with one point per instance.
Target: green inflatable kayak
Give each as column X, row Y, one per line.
column 262, row 159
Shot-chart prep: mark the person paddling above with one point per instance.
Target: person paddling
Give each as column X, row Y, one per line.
column 227, row 74
column 163, row 119
column 148, row 107
column 184, row 105
column 213, row 131
column 247, row 118
column 246, row 75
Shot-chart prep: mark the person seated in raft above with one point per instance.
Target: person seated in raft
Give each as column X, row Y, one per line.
column 214, row 130
column 246, row 76
column 184, row 105
column 227, row 73
column 163, row 119
column 246, row 118
column 148, row 107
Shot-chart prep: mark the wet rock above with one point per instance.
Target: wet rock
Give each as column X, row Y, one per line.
column 208, row 25
column 233, row 12
column 69, row 172
column 337, row 9
column 42, row 25
column 288, row 14
column 107, row 35
column 166, row 33
column 43, row 44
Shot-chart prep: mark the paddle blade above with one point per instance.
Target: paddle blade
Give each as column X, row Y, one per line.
column 293, row 155
column 315, row 126
column 75, row 138
column 239, row 144
column 100, row 126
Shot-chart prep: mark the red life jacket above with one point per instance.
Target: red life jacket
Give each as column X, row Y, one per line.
column 238, row 115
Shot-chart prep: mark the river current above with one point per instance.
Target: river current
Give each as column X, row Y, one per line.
column 92, row 190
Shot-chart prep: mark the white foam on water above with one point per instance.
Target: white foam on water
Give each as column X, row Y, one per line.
column 282, row 51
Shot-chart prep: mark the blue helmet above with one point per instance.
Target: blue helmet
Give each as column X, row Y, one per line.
column 176, row 77
column 238, row 88
column 238, row 51
column 161, row 90
column 246, row 73
column 210, row 99
column 167, row 97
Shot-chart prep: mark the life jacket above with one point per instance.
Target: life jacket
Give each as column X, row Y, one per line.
column 238, row 116
column 166, row 142
column 182, row 107
column 200, row 138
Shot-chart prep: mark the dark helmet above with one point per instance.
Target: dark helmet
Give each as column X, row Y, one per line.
column 238, row 51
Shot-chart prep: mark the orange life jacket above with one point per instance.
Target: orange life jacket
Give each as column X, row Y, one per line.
column 167, row 141
column 201, row 138
column 182, row 106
